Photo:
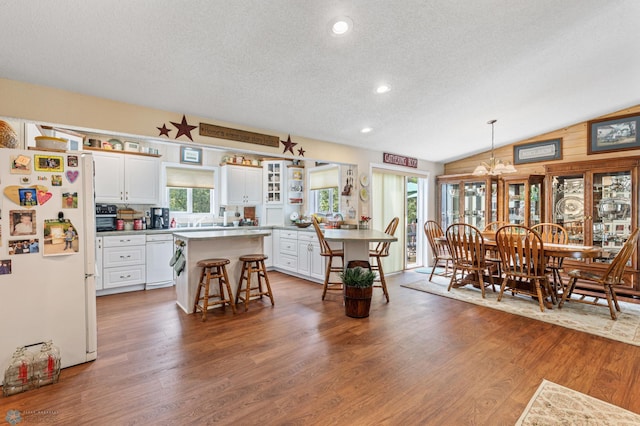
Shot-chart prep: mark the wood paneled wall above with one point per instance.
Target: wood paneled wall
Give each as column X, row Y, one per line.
column 574, row 148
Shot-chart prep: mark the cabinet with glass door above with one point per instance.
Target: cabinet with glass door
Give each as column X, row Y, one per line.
column 273, row 181
column 596, row 203
column 467, row 199
column 524, row 200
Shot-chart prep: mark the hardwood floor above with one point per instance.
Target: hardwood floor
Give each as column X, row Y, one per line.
column 421, row 359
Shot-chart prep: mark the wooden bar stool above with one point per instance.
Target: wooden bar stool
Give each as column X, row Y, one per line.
column 253, row 263
column 212, row 269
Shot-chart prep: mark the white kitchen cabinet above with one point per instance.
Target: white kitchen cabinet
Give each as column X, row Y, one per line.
column 298, row 253
column 123, row 263
column 273, row 181
column 241, row 185
column 310, row 262
column 126, row 178
column 288, row 259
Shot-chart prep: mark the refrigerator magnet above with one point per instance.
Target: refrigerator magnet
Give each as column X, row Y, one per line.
column 60, row 237
column 20, row 164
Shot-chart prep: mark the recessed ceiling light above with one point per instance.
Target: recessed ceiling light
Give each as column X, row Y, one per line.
column 366, row 130
column 383, row 88
column 341, row 26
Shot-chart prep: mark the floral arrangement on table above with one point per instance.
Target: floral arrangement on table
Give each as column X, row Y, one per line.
column 364, row 222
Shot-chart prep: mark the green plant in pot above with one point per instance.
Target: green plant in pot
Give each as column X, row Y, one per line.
column 358, row 288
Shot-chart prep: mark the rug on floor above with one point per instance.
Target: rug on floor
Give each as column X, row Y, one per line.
column 588, row 318
column 553, row 404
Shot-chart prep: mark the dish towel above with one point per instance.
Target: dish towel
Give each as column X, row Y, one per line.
column 178, row 261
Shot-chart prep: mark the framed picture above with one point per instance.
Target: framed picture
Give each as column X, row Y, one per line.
column 613, row 134
column 538, row 151
column 22, row 222
column 49, row 163
column 189, row 155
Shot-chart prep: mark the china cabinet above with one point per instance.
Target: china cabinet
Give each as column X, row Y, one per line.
column 467, row 199
column 596, row 202
column 524, row 200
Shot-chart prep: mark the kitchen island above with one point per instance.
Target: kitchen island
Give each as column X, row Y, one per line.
column 199, row 245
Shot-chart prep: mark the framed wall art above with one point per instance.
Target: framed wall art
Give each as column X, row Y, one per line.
column 538, row 151
column 613, row 134
column 189, row 155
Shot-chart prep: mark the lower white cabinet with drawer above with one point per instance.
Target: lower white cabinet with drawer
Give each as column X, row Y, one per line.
column 298, row 253
column 123, row 263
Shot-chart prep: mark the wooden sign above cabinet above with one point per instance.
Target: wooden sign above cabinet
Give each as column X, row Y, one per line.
column 220, row 132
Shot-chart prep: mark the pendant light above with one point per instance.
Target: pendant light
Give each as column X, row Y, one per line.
column 493, row 167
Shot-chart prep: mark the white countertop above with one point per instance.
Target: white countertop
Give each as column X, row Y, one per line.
column 365, row 235
column 200, row 235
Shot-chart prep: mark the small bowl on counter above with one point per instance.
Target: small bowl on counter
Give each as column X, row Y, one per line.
column 302, row 224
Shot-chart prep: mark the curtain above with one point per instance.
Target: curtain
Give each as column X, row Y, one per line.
column 189, row 178
column 324, row 177
column 388, row 201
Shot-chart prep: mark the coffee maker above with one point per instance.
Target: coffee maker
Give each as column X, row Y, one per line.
column 159, row 218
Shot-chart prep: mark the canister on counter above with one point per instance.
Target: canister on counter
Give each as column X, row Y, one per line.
column 119, row 225
column 137, row 224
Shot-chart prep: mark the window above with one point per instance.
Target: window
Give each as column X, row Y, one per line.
column 325, row 201
column 190, row 191
column 323, row 190
column 190, row 200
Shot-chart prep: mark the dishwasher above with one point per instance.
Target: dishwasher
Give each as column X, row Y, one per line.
column 159, row 253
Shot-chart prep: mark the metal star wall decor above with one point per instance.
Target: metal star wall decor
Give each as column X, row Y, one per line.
column 288, row 145
column 301, row 152
column 164, row 130
column 184, row 128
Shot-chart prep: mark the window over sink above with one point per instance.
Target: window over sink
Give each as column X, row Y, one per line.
column 190, row 194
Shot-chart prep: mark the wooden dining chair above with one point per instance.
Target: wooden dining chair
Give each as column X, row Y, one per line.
column 523, row 263
column 606, row 281
column 382, row 250
column 467, row 248
column 439, row 248
column 556, row 234
column 492, row 252
column 330, row 254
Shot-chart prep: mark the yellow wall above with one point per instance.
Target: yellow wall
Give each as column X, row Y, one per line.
column 574, row 148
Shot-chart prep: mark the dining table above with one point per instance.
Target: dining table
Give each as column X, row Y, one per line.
column 356, row 241
column 574, row 251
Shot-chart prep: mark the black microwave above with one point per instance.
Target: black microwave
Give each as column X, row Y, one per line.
column 106, row 215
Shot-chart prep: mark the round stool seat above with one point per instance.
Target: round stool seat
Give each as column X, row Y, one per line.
column 210, row 263
column 253, row 257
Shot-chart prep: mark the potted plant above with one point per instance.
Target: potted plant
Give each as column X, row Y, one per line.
column 358, row 288
column 364, row 222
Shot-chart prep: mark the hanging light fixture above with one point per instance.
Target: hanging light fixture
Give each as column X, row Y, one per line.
column 493, row 167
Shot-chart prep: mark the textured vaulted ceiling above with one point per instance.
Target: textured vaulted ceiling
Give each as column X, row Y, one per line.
column 535, row 66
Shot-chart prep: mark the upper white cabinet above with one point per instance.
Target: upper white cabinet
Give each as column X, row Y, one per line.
column 241, row 185
column 124, row 178
column 273, row 181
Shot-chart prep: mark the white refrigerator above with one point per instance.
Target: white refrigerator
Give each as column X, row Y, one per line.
column 47, row 262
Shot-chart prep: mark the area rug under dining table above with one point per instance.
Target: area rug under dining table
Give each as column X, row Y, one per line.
column 587, row 318
column 553, row 404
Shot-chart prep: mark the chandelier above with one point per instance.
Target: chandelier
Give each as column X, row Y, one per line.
column 493, row 167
